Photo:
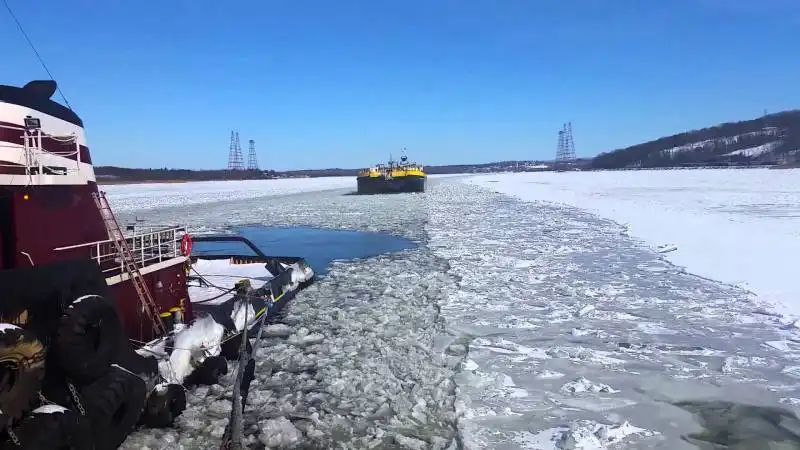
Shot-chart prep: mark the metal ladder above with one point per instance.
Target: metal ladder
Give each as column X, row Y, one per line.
column 128, row 262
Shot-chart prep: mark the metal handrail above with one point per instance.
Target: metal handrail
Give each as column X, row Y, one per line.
column 147, row 248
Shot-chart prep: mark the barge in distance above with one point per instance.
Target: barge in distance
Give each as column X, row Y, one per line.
column 393, row 177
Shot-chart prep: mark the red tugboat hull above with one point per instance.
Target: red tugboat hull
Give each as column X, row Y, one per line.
column 77, row 291
column 168, row 286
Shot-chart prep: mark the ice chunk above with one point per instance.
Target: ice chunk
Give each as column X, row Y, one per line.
column 583, row 385
column 279, row 433
column 203, row 335
column 243, row 314
column 580, row 435
column 277, row 330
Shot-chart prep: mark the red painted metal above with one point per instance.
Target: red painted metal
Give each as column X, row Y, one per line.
column 170, row 293
column 12, row 134
column 129, row 263
column 37, row 219
column 49, row 217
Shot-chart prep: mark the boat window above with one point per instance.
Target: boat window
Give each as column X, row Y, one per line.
column 49, row 170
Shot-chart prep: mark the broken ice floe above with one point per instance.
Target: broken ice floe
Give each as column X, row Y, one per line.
column 666, row 248
column 581, row 384
column 580, row 435
column 361, row 385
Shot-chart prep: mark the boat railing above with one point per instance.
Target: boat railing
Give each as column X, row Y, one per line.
column 148, row 246
column 32, row 150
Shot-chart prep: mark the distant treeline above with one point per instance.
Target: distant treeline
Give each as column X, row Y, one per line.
column 111, row 173
column 714, row 145
column 121, row 174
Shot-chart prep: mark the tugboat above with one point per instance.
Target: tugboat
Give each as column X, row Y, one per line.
column 393, row 177
column 100, row 327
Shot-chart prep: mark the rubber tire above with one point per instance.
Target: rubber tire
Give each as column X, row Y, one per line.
column 162, row 409
column 144, row 366
column 22, row 369
column 114, row 404
column 208, row 372
column 52, row 431
column 89, row 338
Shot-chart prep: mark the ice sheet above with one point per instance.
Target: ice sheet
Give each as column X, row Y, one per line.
column 741, row 227
column 130, row 197
column 125, row 197
column 512, row 322
column 570, row 328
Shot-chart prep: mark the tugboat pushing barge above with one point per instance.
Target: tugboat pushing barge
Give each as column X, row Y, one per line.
column 101, row 329
column 393, row 177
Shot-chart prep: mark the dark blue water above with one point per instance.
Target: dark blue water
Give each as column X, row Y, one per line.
column 318, row 246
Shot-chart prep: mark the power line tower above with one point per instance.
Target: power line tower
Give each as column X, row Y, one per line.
column 252, row 159
column 565, row 152
column 570, row 143
column 232, row 153
column 560, row 149
column 235, row 159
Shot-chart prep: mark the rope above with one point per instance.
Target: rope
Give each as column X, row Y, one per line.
column 237, row 388
column 226, row 290
column 38, row 56
column 214, row 298
column 236, row 404
column 237, row 408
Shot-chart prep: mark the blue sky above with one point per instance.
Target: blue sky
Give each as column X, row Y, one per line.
column 343, row 83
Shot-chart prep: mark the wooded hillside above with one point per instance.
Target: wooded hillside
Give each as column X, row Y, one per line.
column 770, row 139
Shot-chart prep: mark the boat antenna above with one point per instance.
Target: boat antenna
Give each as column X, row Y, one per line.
column 38, row 56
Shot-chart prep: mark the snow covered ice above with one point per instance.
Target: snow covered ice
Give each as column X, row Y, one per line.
column 740, row 227
column 513, row 325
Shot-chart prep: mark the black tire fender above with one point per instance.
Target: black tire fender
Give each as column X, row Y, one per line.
column 89, row 338
column 163, row 407
column 52, row 427
column 113, row 405
column 22, row 369
column 208, row 372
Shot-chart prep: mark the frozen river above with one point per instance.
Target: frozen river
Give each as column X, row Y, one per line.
column 512, row 325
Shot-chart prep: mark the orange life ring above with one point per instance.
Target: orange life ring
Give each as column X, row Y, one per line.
column 186, row 244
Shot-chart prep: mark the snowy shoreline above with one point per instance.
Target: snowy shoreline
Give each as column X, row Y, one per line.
column 737, row 227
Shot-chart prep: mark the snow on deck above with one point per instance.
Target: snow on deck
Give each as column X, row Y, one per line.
column 223, row 275
column 740, row 227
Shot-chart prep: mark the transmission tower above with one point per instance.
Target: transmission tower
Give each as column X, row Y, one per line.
column 235, row 159
column 560, row 149
column 570, row 143
column 565, row 152
column 232, row 153
column 252, row 159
